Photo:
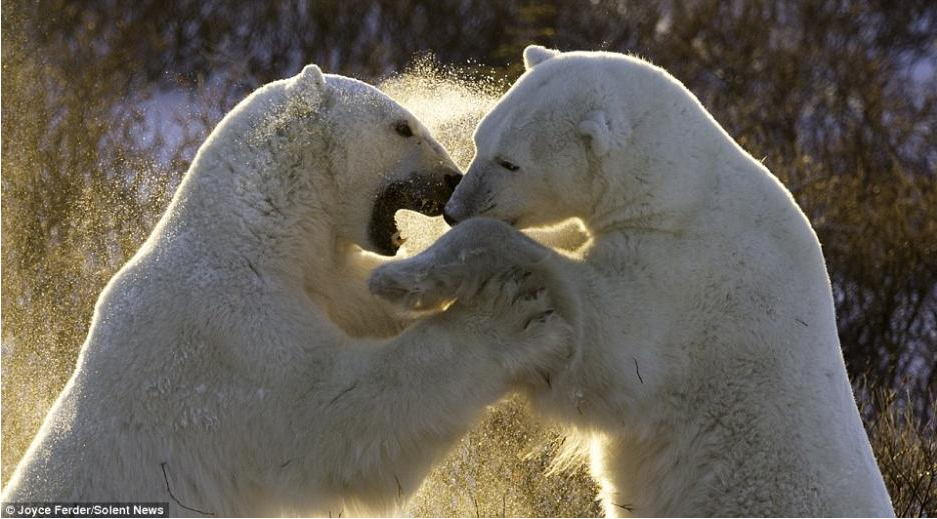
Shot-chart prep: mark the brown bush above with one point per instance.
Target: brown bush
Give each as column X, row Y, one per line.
column 906, row 449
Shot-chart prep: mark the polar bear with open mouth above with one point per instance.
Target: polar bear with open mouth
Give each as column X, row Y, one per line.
column 225, row 371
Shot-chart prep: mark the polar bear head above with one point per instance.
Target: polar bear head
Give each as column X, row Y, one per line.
column 329, row 159
column 581, row 135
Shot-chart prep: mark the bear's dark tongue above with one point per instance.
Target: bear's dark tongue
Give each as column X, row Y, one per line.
column 423, row 191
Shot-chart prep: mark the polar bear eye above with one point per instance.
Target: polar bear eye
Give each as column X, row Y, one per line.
column 403, row 129
column 510, row 166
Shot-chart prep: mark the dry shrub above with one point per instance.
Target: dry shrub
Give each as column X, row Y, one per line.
column 502, row 469
column 906, row 449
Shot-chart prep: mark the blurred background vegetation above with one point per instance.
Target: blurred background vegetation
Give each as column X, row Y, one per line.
column 104, row 103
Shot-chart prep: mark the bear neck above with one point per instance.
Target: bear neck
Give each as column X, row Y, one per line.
column 660, row 182
column 249, row 224
column 346, row 293
column 235, row 213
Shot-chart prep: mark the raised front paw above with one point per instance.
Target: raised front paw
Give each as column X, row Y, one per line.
column 520, row 310
column 418, row 284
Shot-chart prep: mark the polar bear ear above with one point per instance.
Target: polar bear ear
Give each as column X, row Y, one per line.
column 596, row 127
column 605, row 132
column 309, row 85
column 535, row 55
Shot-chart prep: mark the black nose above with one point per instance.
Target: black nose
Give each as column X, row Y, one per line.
column 448, row 218
column 452, row 180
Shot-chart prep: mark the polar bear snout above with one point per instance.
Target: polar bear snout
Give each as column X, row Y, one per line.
column 455, row 212
column 475, row 196
column 429, row 191
column 423, row 191
column 448, row 217
column 452, row 181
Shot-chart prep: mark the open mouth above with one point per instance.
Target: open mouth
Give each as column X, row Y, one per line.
column 425, row 192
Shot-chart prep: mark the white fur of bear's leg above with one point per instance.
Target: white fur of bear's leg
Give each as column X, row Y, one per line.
column 456, row 265
column 341, row 426
column 399, row 405
column 471, row 260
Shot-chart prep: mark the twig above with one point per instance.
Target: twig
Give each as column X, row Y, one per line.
column 256, row 273
column 166, row 479
column 343, row 393
column 546, row 378
column 924, row 499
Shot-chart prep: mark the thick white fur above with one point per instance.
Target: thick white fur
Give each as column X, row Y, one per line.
column 222, row 361
column 708, row 375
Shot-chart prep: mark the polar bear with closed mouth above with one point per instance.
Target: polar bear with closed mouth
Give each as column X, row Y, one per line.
column 707, row 372
column 227, row 369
